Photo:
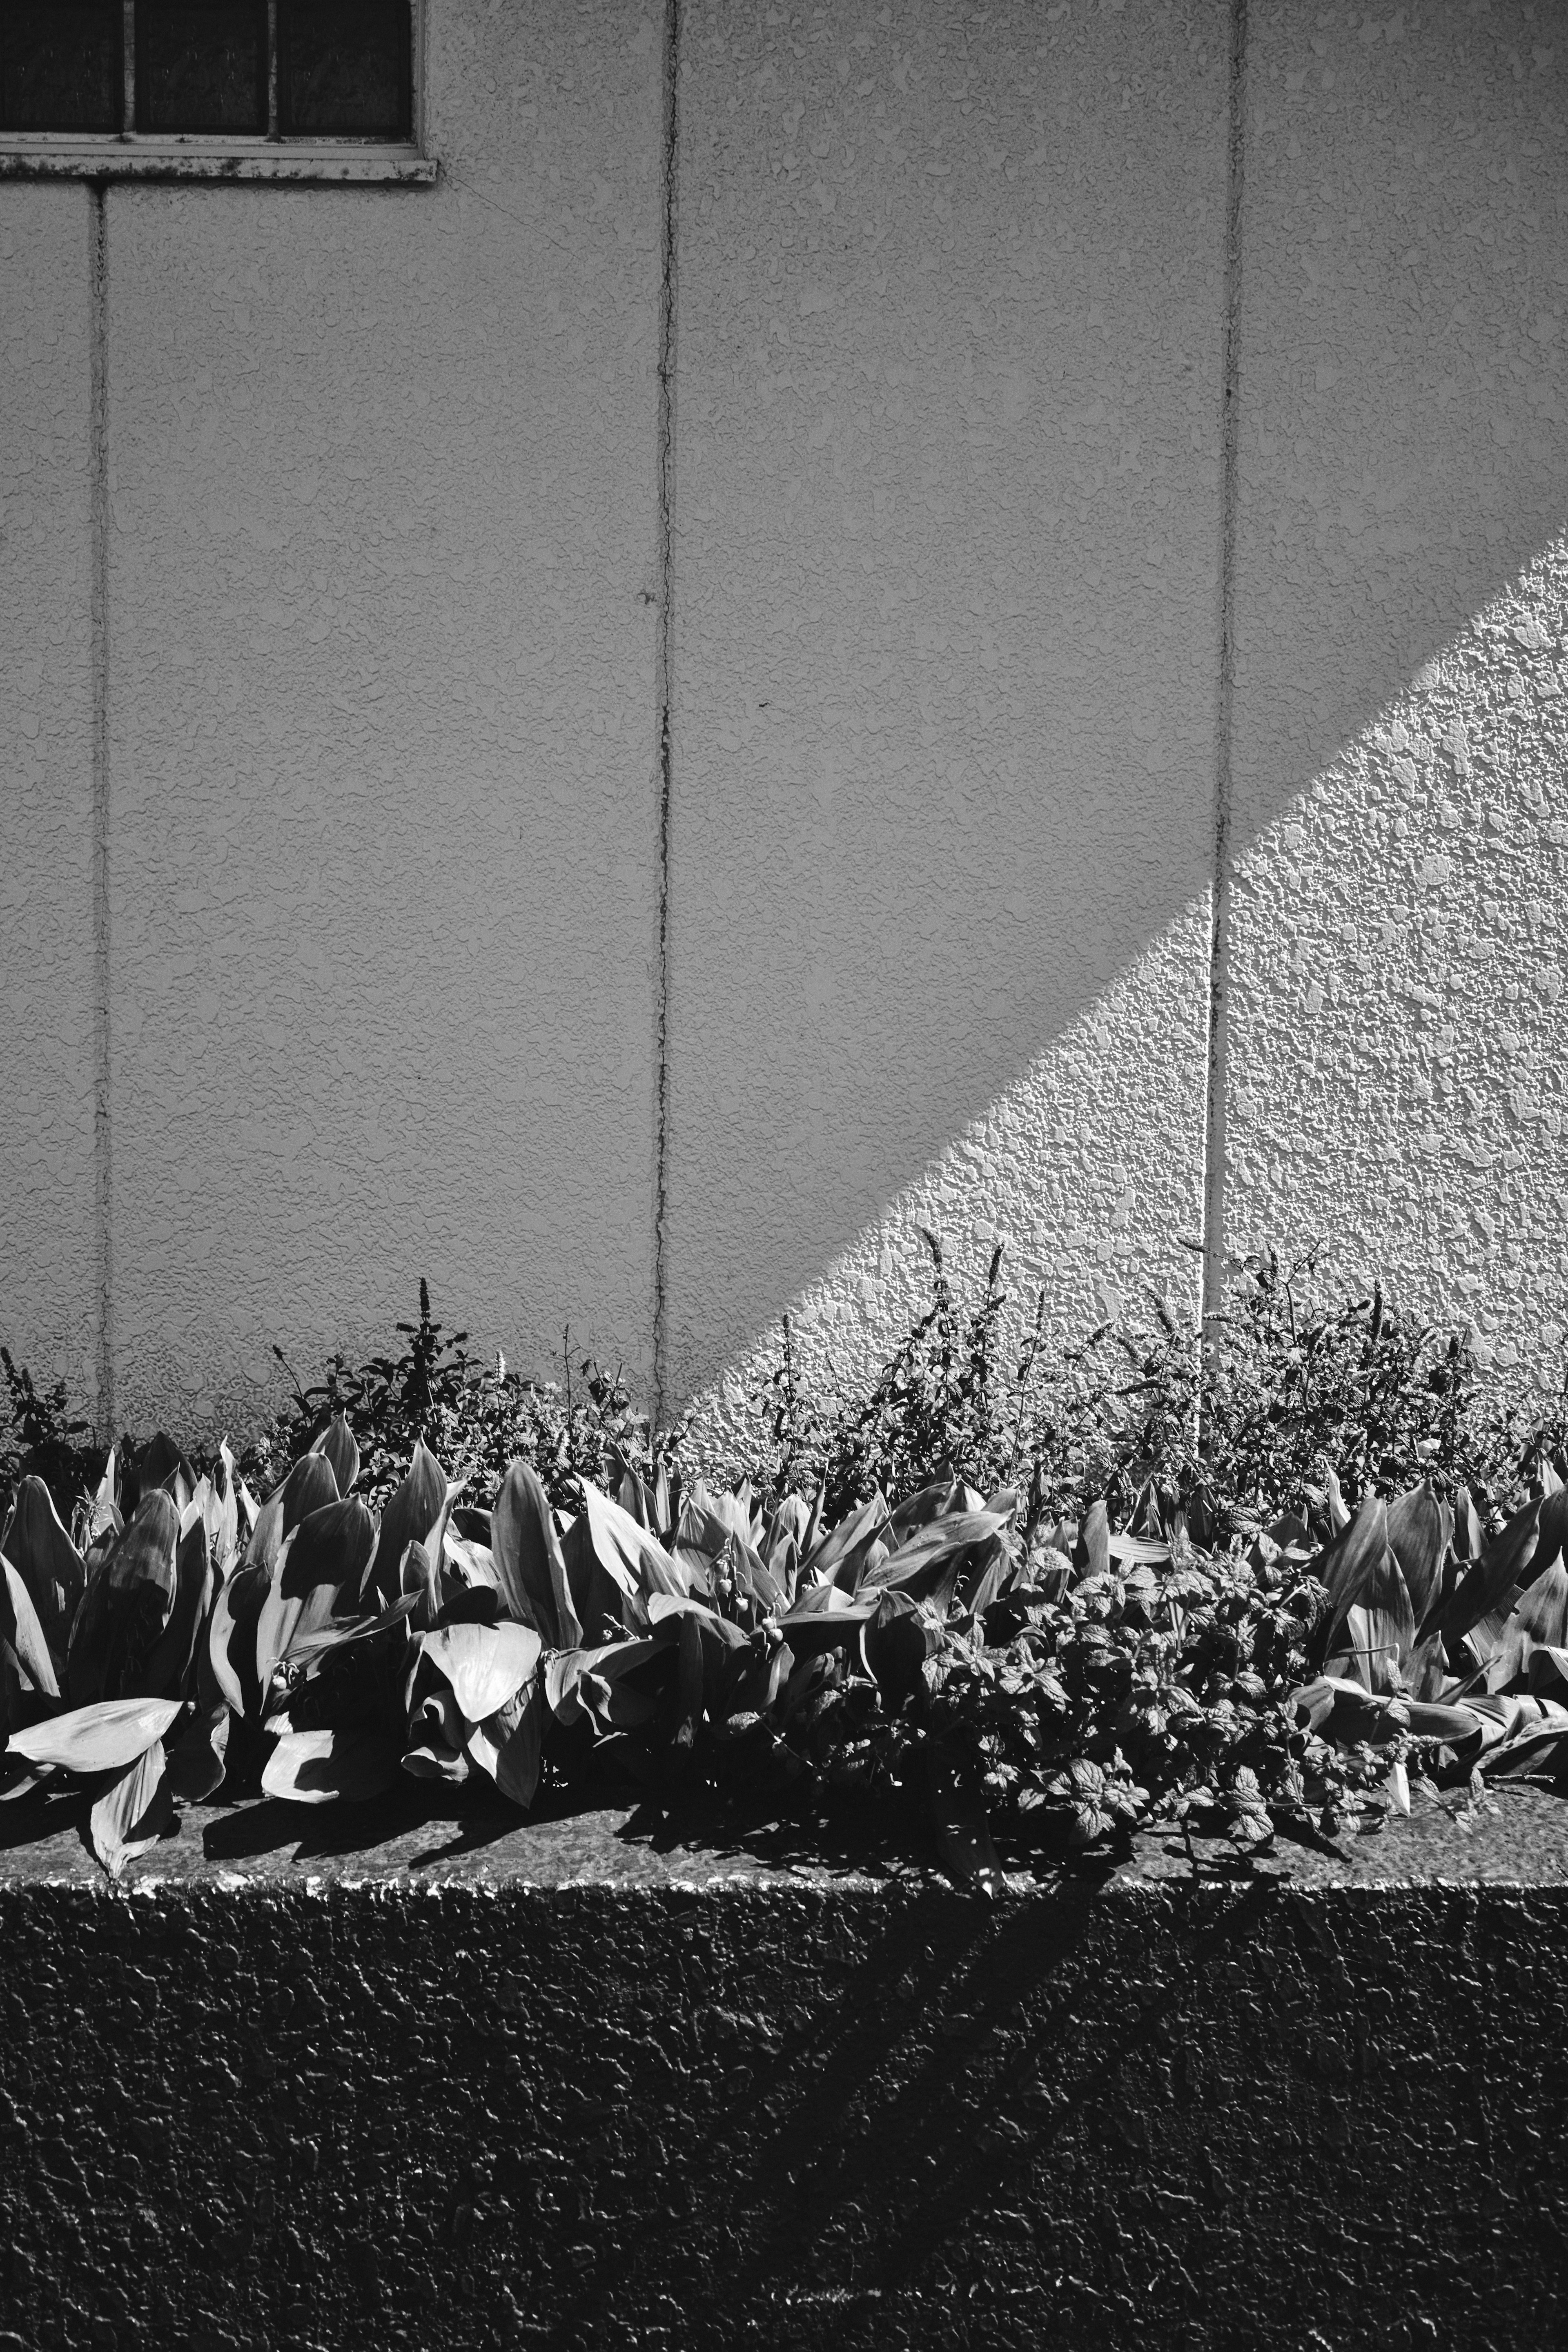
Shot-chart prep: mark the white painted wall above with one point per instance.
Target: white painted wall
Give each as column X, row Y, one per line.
column 1402, row 721
column 945, row 667
column 381, row 718
column 946, row 646
column 48, row 1267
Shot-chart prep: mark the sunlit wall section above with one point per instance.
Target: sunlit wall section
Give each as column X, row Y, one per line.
column 1401, row 820
column 1093, row 1200
column 948, row 423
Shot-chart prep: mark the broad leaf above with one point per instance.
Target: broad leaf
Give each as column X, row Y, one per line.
column 46, row 1559
column 412, row 1511
column 485, row 1664
column 336, row 1441
column 103, row 1737
column 1419, row 1530
column 127, row 1604
column 530, row 1568
column 837, row 1556
column 20, row 1628
column 1510, row 1558
column 568, row 1671
column 134, row 1812
column 166, row 1670
column 231, row 1637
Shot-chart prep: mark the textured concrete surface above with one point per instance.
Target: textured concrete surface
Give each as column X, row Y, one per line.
column 946, row 554
column 421, row 2101
column 47, row 1256
column 383, row 719
column 1402, row 688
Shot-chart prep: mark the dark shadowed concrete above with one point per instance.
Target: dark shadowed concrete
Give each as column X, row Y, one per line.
column 407, row 2079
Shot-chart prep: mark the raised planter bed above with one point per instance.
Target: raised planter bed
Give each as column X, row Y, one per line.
column 421, row 2078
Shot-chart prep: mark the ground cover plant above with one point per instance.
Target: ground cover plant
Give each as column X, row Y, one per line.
column 1250, row 1582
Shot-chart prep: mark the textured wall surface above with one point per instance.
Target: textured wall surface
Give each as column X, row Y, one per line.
column 946, row 564
column 46, row 1223
column 1402, row 690
column 338, row 2105
column 383, row 713
column 946, row 629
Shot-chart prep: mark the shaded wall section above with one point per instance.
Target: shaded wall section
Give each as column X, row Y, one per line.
column 947, row 545
column 1402, row 687
column 48, row 1247
column 381, row 706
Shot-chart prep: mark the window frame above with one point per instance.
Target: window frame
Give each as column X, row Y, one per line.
column 229, row 157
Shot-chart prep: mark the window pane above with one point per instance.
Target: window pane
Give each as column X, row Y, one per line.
column 344, row 68
column 201, row 65
column 60, row 64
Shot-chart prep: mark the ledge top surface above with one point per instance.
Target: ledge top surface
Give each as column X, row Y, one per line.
column 1517, row 1838
column 302, row 163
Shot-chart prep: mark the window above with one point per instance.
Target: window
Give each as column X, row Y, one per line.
column 227, row 70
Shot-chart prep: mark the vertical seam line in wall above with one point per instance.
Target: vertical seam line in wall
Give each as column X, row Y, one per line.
column 98, row 469
column 668, row 228
column 1219, row 913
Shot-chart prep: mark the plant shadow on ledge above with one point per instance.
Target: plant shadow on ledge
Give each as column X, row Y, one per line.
column 1249, row 1585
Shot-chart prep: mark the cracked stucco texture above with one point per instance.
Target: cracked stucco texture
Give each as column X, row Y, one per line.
column 47, row 1220
column 1402, row 673
column 382, row 710
column 946, row 628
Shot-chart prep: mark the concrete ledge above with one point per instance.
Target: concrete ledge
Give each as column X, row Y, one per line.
column 307, row 163
column 426, row 2080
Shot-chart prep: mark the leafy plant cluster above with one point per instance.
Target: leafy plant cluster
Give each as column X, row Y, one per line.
column 1248, row 1581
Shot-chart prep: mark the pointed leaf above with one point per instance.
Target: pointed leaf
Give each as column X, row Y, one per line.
column 1419, row 1530
column 516, row 1733
column 134, row 1812
column 1357, row 1555
column 104, row 1738
column 19, row 1626
column 1510, row 1558
column 846, row 1544
column 528, row 1565
column 895, row 1643
column 485, row 1664
column 231, row 1636
column 166, row 1670
column 128, row 1601
column 46, row 1559
column 336, row 1441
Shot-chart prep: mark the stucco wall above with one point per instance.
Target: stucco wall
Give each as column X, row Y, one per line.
column 947, row 546
column 946, row 637
column 381, row 706
column 1401, row 692
column 47, row 1258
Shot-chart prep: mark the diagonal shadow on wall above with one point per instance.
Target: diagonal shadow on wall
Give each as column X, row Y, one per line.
column 948, row 600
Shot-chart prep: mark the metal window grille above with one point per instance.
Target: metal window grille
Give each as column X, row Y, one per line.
column 245, row 70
